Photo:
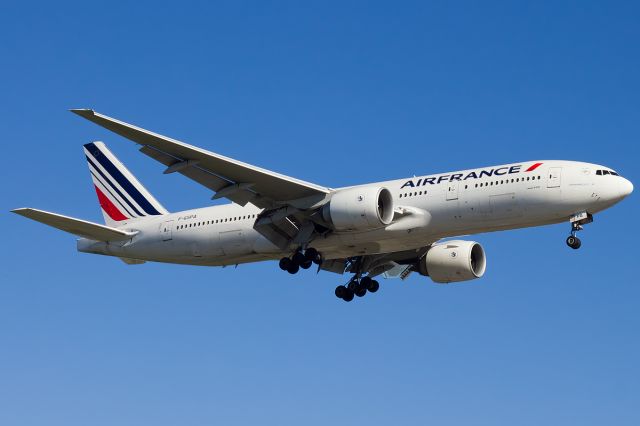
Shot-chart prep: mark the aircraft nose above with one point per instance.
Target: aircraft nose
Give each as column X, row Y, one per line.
column 626, row 188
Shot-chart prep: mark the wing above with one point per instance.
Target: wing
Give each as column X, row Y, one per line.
column 228, row 178
column 82, row 228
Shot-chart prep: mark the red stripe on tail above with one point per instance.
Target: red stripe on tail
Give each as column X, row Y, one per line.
column 532, row 168
column 109, row 207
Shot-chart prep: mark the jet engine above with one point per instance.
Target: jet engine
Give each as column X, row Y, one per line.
column 454, row 261
column 359, row 208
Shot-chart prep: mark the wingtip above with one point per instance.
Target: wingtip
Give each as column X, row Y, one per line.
column 19, row 210
column 83, row 112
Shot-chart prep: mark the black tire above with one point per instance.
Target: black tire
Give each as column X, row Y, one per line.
column 284, row 263
column 574, row 242
column 306, row 264
column 348, row 296
column 293, row 268
column 365, row 282
column 341, row 291
column 311, row 254
column 352, row 285
column 360, row 291
column 373, row 286
column 298, row 258
column 577, row 244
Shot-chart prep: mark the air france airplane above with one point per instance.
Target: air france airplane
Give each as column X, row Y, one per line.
column 387, row 229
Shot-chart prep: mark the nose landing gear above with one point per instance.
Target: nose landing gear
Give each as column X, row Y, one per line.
column 577, row 220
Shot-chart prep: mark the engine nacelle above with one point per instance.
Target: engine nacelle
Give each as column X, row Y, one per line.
column 454, row 261
column 359, row 208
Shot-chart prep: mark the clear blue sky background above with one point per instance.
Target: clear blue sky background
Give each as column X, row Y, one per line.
column 335, row 93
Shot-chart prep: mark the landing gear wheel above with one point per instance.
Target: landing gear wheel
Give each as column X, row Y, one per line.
column 373, row 286
column 365, row 282
column 352, row 285
column 348, row 296
column 360, row 290
column 298, row 258
column 312, row 255
column 574, row 242
column 306, row 264
column 293, row 268
column 341, row 292
column 284, row 263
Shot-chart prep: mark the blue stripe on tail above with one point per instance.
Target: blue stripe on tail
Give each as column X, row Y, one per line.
column 131, row 190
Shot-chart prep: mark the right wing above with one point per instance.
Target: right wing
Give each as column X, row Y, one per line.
column 237, row 181
column 82, row 228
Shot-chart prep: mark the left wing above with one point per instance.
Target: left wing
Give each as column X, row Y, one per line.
column 237, row 181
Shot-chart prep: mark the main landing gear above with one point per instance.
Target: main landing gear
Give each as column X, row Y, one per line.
column 357, row 288
column 577, row 221
column 300, row 260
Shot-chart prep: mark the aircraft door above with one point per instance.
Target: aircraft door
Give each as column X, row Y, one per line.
column 166, row 230
column 452, row 190
column 555, row 174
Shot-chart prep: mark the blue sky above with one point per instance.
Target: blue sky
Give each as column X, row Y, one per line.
column 336, row 93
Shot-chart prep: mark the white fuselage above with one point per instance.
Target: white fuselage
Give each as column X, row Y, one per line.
column 458, row 203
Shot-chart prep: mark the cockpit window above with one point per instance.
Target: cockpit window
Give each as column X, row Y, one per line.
column 606, row 172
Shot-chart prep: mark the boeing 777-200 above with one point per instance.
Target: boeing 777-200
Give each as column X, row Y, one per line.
column 388, row 229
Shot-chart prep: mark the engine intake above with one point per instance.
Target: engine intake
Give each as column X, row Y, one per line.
column 359, row 208
column 454, row 261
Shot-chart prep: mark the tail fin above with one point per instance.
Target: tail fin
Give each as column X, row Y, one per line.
column 121, row 196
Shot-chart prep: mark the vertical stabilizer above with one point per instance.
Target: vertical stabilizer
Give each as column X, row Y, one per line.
column 121, row 196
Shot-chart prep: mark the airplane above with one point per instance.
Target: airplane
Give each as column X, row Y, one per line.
column 389, row 229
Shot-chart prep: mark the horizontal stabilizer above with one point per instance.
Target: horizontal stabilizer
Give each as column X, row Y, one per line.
column 82, row 228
